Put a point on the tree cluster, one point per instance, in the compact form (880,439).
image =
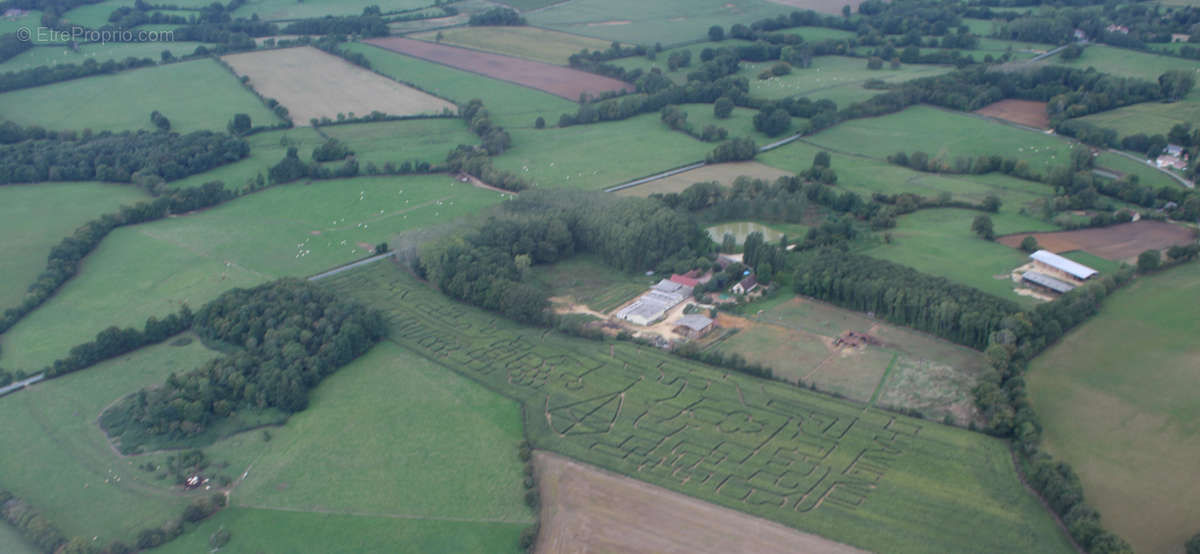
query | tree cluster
(657,97)
(114,341)
(361,25)
(46,74)
(289,334)
(497,16)
(739,149)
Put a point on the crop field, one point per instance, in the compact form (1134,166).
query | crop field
(837,78)
(757,446)
(601,154)
(1151,118)
(512,106)
(399,141)
(585,509)
(945,135)
(940,242)
(36,217)
(585,280)
(1025,112)
(723,173)
(79,479)
(560,81)
(1117,400)
(124,100)
(1126,63)
(314,84)
(273,10)
(1115,242)
(266,149)
(669,22)
(292,230)
(56,55)
(531,43)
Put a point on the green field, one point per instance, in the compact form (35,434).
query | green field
(531,43)
(78,481)
(512,106)
(1147,174)
(837,78)
(857,476)
(945,135)
(940,242)
(55,55)
(1151,118)
(12,542)
(37,217)
(601,154)
(272,10)
(95,15)
(297,230)
(1117,397)
(635,21)
(124,100)
(587,281)
(30,20)
(266,150)
(1103,265)
(1126,63)
(428,140)
(818,34)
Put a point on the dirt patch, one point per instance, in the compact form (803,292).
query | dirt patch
(560,81)
(587,509)
(1025,112)
(1116,242)
(722,173)
(313,84)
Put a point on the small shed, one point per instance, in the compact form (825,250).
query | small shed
(745,285)
(694,326)
(1047,282)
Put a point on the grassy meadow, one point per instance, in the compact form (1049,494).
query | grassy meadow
(1117,399)
(80,480)
(292,230)
(863,477)
(1126,63)
(273,10)
(426,140)
(1151,118)
(531,43)
(669,22)
(601,154)
(586,280)
(837,78)
(12,542)
(58,55)
(123,101)
(95,15)
(511,106)
(1146,173)
(37,217)
(266,150)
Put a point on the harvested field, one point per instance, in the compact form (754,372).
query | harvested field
(1025,112)
(313,84)
(1117,242)
(722,173)
(833,7)
(587,509)
(560,81)
(531,43)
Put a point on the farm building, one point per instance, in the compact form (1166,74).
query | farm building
(693,326)
(685,280)
(1050,260)
(1047,282)
(745,285)
(653,305)
(669,286)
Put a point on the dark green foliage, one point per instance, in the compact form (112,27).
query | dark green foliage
(723,107)
(131,157)
(772,121)
(1029,244)
(529,537)
(363,25)
(292,335)
(240,124)
(875,62)
(539,123)
(1148,261)
(477,163)
(381,248)
(331,150)
(737,150)
(716,33)
(982,226)
(113,342)
(160,121)
(1176,84)
(44,75)
(731,360)
(288,169)
(497,16)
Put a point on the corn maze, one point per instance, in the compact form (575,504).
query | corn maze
(756,446)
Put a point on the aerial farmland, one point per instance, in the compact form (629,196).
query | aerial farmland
(540,276)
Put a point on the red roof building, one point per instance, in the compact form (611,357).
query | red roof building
(685,281)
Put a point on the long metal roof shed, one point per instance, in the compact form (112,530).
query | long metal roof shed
(1074,269)
(1047,281)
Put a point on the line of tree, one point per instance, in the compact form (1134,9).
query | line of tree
(114,341)
(658,95)
(47,74)
(676,119)
(496,16)
(361,25)
(142,157)
(11,46)
(289,334)
(65,258)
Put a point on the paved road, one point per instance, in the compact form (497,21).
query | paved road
(21,384)
(350,266)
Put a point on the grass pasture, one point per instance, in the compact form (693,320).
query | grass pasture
(313,84)
(30,19)
(1126,63)
(838,78)
(1151,118)
(54,423)
(764,448)
(292,230)
(601,154)
(531,43)
(37,217)
(266,149)
(512,106)
(57,55)
(1146,173)
(740,122)
(123,101)
(95,15)
(634,21)
(274,10)
(724,173)
(426,140)
(588,281)
(1117,399)
(12,542)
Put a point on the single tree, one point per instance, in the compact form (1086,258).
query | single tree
(539,123)
(240,124)
(716,33)
(982,226)
(1029,244)
(1149,260)
(991,203)
(723,107)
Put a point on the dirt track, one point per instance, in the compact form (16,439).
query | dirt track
(561,81)
(1025,112)
(586,509)
(1117,242)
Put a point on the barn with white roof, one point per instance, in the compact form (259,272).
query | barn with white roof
(1047,260)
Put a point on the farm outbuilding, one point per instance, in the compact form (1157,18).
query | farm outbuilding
(745,285)
(693,326)
(1045,258)
(653,305)
(1047,282)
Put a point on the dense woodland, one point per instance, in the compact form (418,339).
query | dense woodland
(289,335)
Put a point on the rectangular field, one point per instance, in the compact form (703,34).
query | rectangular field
(1116,242)
(838,78)
(123,101)
(1125,63)
(314,84)
(1025,112)
(1151,118)
(585,280)
(667,21)
(531,43)
(560,81)
(274,10)
(1117,398)
(428,140)
(266,150)
(56,55)
(869,479)
(722,173)
(1147,174)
